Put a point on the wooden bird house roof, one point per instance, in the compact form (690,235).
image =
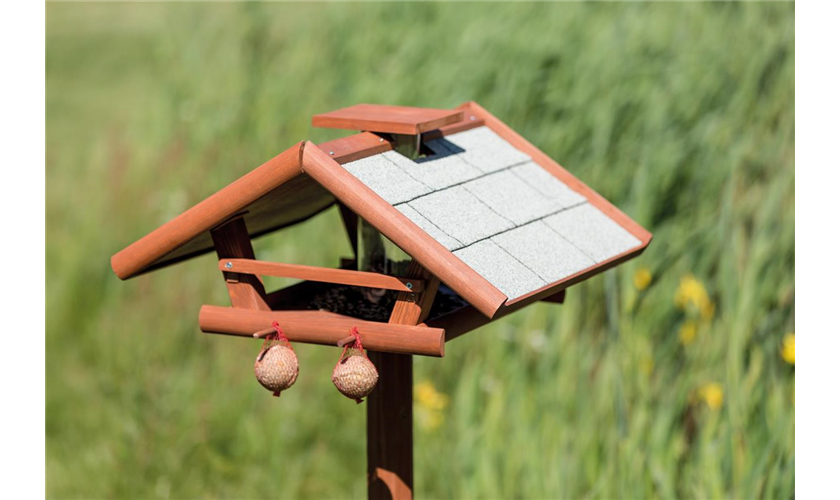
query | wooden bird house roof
(489,214)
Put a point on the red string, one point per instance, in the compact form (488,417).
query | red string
(269,340)
(357,344)
(279,335)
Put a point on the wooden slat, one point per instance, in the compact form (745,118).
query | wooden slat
(355,147)
(232,242)
(311,273)
(388,119)
(325,328)
(410,307)
(404,233)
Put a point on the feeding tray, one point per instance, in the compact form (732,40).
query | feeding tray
(489,223)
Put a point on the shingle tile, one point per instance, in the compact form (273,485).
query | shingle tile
(500,269)
(543,251)
(551,187)
(423,223)
(386,179)
(460,215)
(594,233)
(511,197)
(485,150)
(440,171)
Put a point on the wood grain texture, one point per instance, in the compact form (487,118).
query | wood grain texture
(390,442)
(232,241)
(325,328)
(322,274)
(388,119)
(390,446)
(405,234)
(410,307)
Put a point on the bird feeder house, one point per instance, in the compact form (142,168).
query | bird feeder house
(455,221)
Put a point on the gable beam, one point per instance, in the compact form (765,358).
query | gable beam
(399,229)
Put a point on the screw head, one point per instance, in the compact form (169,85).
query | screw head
(332,153)
(472,118)
(381,140)
(409,286)
(229,265)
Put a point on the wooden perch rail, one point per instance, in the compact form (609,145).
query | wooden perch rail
(320,327)
(322,274)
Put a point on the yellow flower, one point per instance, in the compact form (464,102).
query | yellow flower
(788,349)
(430,405)
(688,331)
(642,278)
(712,393)
(428,397)
(692,293)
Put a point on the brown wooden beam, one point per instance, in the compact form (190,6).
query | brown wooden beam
(388,119)
(325,328)
(390,405)
(232,241)
(355,147)
(403,232)
(323,274)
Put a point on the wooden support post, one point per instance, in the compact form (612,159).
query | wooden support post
(351,221)
(390,445)
(232,241)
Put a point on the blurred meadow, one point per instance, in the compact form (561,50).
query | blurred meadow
(671,376)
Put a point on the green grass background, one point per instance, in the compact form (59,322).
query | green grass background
(681,115)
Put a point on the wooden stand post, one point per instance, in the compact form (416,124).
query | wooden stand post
(390,447)
(389,407)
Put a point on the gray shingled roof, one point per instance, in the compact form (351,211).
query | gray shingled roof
(506,217)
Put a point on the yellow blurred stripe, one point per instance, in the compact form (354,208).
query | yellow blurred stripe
(812,349)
